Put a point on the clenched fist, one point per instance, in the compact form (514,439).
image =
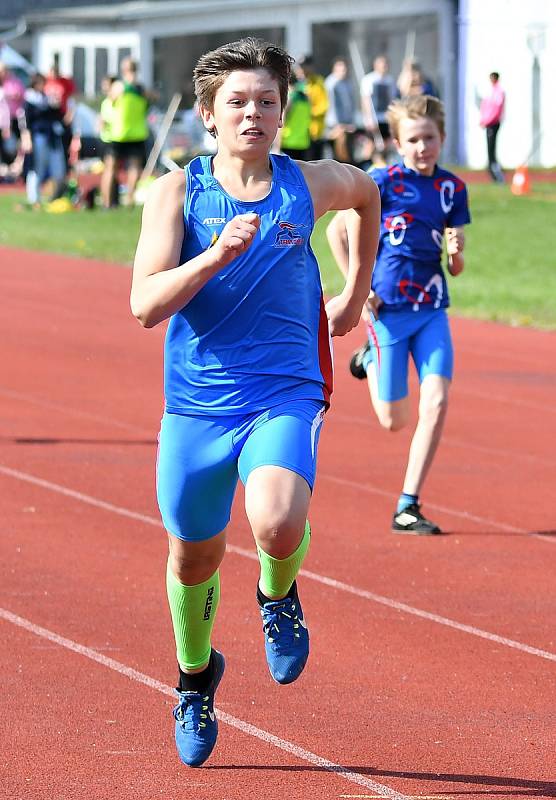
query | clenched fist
(236,237)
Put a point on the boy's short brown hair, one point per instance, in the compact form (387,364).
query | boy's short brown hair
(213,67)
(421,105)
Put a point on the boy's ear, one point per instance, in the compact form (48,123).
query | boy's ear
(281,120)
(208,118)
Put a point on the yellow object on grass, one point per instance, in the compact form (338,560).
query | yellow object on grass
(59,206)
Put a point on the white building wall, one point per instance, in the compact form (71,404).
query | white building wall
(138,25)
(47,43)
(498,36)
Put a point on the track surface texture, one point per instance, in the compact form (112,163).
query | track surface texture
(433,660)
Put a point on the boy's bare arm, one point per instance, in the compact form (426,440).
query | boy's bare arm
(455,242)
(337,239)
(336,186)
(336,235)
(161,286)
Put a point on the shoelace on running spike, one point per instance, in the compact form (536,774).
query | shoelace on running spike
(198,707)
(271,620)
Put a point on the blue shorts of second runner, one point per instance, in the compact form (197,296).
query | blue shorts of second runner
(423,334)
(200,459)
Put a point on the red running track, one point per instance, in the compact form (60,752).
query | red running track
(433,662)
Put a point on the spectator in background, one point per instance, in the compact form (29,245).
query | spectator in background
(314,88)
(412,81)
(129,131)
(491,111)
(42,141)
(378,89)
(295,138)
(106,113)
(14,92)
(59,90)
(340,117)
(5,133)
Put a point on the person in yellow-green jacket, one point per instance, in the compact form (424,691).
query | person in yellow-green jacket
(295,140)
(314,88)
(129,132)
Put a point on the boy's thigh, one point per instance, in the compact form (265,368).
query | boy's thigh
(390,365)
(196,475)
(285,436)
(432,349)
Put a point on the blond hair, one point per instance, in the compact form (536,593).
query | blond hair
(422,105)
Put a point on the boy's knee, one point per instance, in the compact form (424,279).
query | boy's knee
(393,425)
(278,533)
(393,420)
(434,407)
(195,562)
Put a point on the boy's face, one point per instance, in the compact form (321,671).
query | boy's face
(419,142)
(247,112)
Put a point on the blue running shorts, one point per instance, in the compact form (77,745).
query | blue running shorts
(423,334)
(200,459)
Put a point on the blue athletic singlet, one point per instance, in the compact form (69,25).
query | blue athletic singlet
(257,333)
(415,211)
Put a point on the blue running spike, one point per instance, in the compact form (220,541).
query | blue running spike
(196,723)
(286,638)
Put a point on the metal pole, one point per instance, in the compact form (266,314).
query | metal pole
(161,136)
(359,70)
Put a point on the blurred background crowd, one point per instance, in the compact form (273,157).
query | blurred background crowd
(95,98)
(51,137)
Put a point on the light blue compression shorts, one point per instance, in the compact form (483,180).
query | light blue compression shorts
(395,335)
(200,460)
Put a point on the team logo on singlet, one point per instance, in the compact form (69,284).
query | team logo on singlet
(397,225)
(398,189)
(447,188)
(289,235)
(214,221)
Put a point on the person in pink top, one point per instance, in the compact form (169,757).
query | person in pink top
(10,105)
(491,112)
(14,91)
(4,128)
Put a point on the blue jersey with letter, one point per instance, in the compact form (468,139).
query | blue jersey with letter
(256,334)
(415,211)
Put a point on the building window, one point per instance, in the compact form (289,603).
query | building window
(101,66)
(78,73)
(123,52)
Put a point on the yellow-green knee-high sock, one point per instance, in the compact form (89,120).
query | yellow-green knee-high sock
(193,609)
(278,574)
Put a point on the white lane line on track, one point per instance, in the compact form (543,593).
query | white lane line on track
(366,487)
(335,416)
(450,441)
(493,398)
(386,601)
(416,612)
(234,722)
(73,412)
(370,489)
(481,356)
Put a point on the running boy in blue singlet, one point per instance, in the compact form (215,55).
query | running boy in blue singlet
(406,309)
(224,253)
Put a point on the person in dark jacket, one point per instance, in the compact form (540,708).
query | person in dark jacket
(42,140)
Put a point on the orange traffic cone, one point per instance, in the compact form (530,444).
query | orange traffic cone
(521,183)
